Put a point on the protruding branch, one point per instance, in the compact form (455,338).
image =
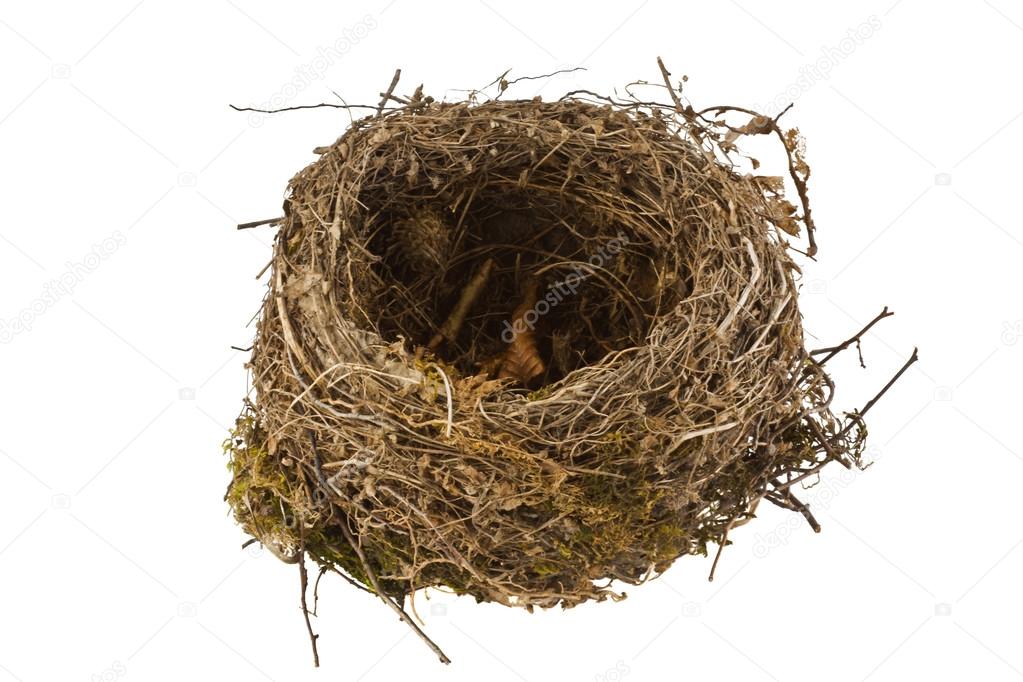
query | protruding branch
(835,350)
(866,408)
(305,608)
(257,223)
(686,112)
(390,91)
(367,569)
(298,107)
(402,615)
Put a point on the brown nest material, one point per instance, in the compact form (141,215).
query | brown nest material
(521,349)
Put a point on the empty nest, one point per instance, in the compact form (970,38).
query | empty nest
(522,349)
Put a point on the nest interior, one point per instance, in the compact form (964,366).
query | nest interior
(521,349)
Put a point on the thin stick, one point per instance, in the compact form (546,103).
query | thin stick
(305,609)
(721,548)
(782,113)
(857,416)
(717,557)
(510,83)
(866,408)
(687,112)
(316,589)
(449,330)
(797,505)
(257,223)
(370,574)
(387,600)
(835,350)
(390,91)
(299,107)
(265,268)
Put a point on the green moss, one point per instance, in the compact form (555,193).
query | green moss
(538,394)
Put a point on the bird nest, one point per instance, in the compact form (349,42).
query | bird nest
(523,349)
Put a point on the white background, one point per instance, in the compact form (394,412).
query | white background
(117,556)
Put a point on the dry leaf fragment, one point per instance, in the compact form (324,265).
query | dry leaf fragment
(758,125)
(522,359)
